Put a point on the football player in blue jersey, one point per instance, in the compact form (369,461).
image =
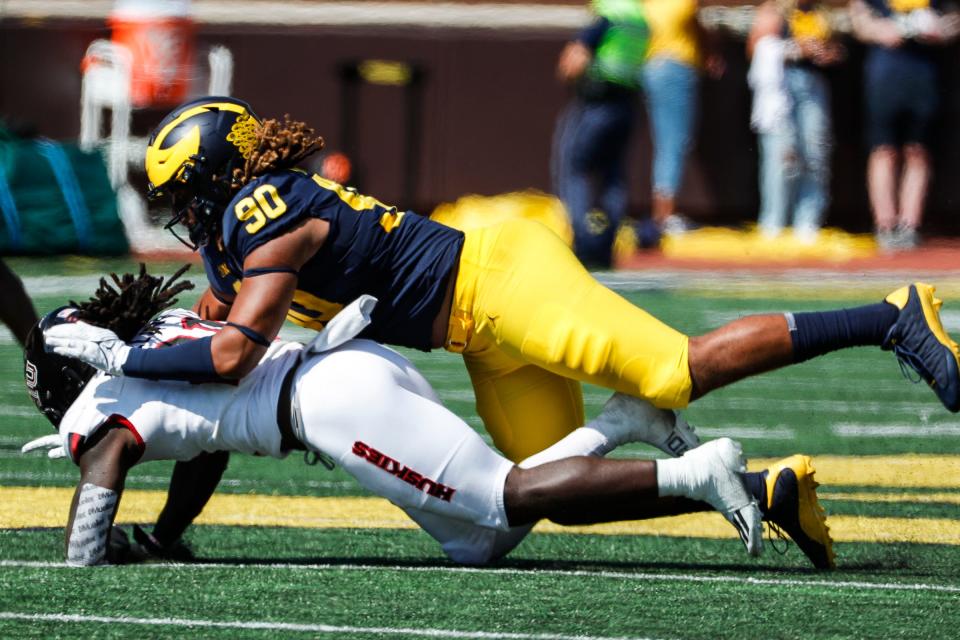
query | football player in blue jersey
(529,320)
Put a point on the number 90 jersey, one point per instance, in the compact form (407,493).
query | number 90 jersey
(403,259)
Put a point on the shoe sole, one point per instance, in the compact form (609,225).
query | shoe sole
(812,516)
(930,305)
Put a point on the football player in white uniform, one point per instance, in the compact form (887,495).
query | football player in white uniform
(368,409)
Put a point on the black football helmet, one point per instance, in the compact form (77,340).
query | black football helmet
(191,156)
(53,381)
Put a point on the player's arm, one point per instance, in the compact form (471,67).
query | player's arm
(254,320)
(104,463)
(269,282)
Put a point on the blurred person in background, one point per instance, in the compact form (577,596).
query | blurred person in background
(791,45)
(16,310)
(671,82)
(593,132)
(902,98)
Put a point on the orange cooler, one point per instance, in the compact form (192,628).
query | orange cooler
(162,50)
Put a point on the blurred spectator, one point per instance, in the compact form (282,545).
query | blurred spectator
(17,311)
(901,90)
(791,44)
(670,81)
(590,143)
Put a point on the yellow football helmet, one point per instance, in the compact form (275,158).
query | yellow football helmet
(191,156)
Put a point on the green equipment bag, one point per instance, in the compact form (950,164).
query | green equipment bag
(55,198)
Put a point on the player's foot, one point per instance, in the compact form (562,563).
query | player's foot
(718,465)
(919,341)
(630,419)
(792,506)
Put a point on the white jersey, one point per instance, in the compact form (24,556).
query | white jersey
(179,420)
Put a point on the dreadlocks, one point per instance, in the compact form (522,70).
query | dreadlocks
(278,146)
(135,300)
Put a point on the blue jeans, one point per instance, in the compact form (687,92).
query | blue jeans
(795,161)
(589,172)
(671,90)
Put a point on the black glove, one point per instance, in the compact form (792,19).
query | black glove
(151,549)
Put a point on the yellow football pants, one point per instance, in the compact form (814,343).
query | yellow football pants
(532,324)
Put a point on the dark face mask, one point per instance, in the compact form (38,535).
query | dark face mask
(199,215)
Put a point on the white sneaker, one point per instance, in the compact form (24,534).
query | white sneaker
(718,465)
(630,419)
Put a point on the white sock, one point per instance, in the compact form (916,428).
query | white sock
(676,477)
(585,441)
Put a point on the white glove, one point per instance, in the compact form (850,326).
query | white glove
(100,348)
(54,444)
(349,322)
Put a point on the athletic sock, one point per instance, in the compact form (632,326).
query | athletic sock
(816,333)
(757,487)
(676,477)
(585,441)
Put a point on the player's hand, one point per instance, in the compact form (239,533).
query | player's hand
(100,348)
(149,549)
(53,444)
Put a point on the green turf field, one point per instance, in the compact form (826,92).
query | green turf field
(315,573)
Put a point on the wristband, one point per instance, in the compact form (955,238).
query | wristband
(189,361)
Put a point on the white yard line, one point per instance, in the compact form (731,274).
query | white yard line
(163,481)
(294,627)
(748,433)
(847,430)
(539,573)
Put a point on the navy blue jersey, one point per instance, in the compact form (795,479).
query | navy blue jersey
(401,258)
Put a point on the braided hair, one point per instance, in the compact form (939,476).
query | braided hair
(278,146)
(127,307)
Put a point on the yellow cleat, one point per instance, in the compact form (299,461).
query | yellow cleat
(792,507)
(919,341)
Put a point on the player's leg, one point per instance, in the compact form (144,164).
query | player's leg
(587,490)
(17,310)
(906,322)
(368,409)
(524,408)
(528,410)
(528,296)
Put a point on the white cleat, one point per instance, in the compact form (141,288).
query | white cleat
(630,419)
(718,465)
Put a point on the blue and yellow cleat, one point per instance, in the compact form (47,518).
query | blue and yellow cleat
(791,507)
(919,341)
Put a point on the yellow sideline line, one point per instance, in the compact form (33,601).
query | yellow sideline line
(47,507)
(922,498)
